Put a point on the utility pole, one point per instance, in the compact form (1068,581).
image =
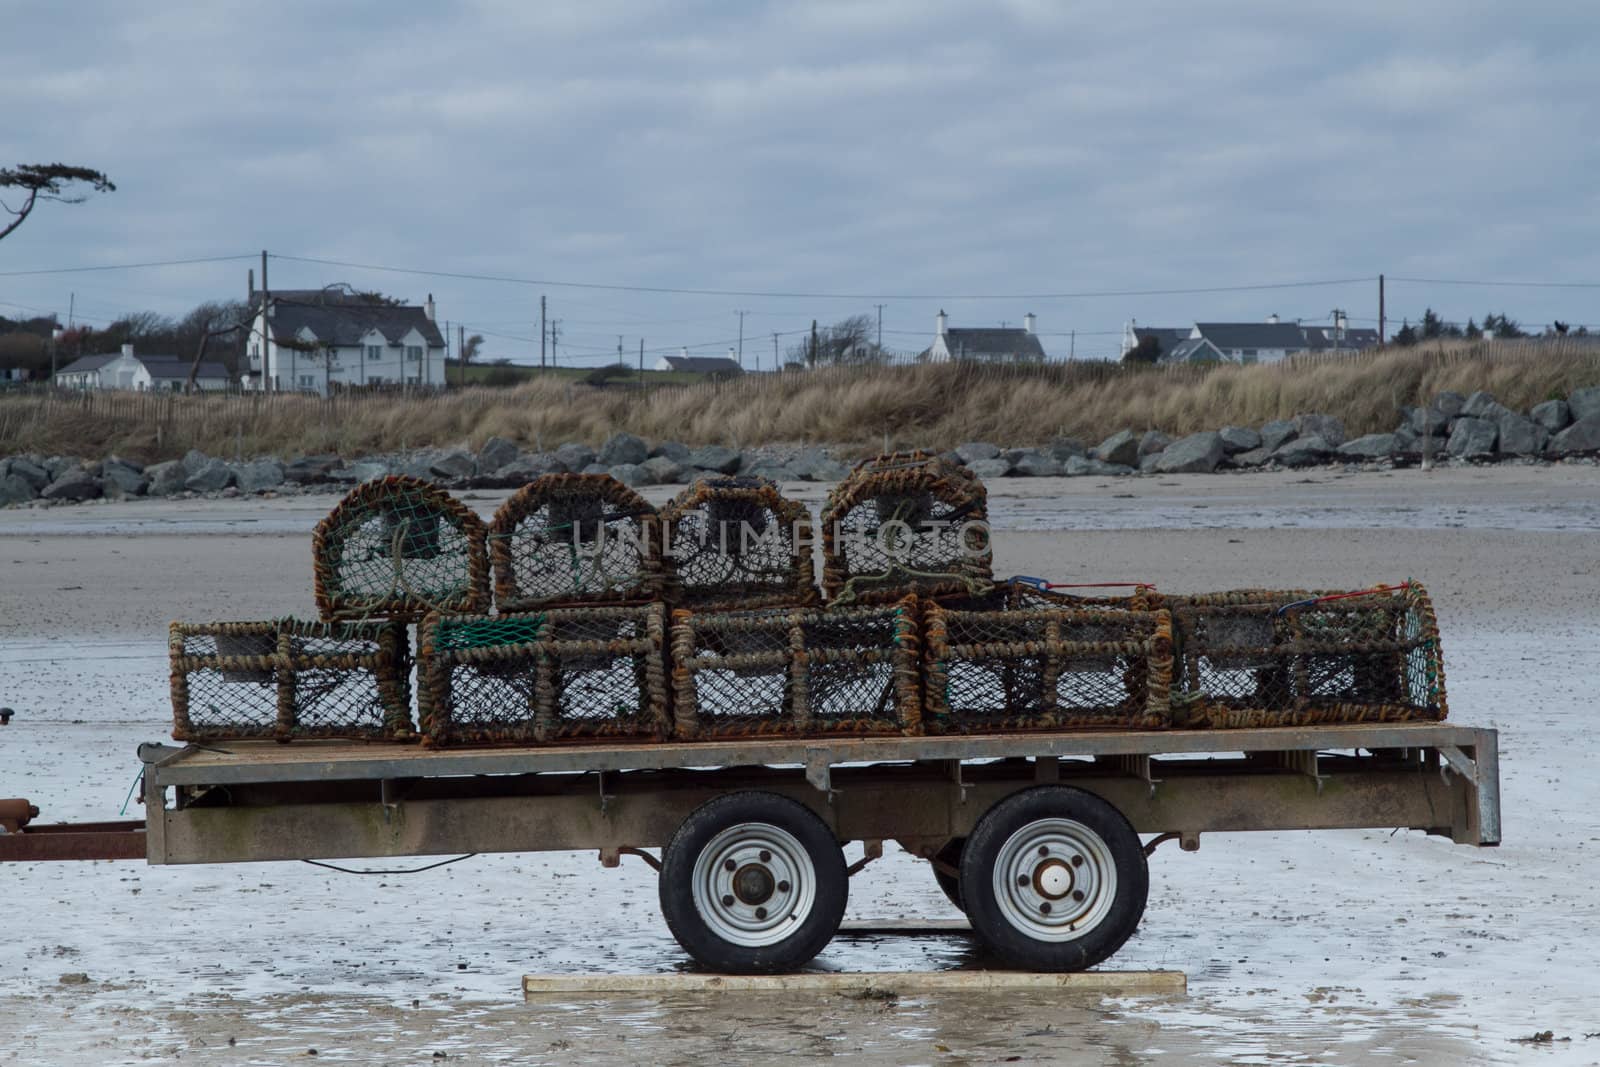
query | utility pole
(541,332)
(741,315)
(641,363)
(1072,351)
(461,348)
(776,366)
(619,348)
(266,327)
(880,329)
(813,342)
(1381,338)
(555,331)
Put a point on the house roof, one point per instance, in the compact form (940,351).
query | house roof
(704,364)
(1320,338)
(174,371)
(980,343)
(1226,335)
(87,363)
(1166,336)
(1191,350)
(337,319)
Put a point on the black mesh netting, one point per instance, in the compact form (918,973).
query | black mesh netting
(399,547)
(737,543)
(574,538)
(289,679)
(904,523)
(776,672)
(544,676)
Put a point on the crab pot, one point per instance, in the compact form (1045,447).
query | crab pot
(805,672)
(737,543)
(418,535)
(233,646)
(582,518)
(545,677)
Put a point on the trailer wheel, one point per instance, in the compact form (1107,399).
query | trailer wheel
(1054,879)
(951,883)
(753,883)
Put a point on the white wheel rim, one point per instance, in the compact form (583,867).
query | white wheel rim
(754,884)
(1055,880)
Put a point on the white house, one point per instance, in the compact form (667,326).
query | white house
(135,373)
(984,345)
(318,340)
(715,366)
(1247,342)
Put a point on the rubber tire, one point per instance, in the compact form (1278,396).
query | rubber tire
(951,884)
(677,874)
(1011,815)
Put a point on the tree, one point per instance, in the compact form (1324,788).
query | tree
(1473,331)
(846,342)
(1406,336)
(47,181)
(1148,350)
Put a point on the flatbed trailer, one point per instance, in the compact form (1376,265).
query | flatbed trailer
(1034,835)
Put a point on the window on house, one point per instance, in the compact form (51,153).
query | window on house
(411,379)
(374,352)
(308,381)
(414,353)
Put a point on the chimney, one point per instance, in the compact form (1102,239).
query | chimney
(939,322)
(427,308)
(684,352)
(1344,324)
(1027,323)
(1273,319)
(251,299)
(127,350)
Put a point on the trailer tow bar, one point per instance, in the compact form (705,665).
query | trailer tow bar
(1189,842)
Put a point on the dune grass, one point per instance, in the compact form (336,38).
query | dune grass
(856,409)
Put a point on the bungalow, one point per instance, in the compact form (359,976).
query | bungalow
(313,340)
(151,373)
(984,345)
(712,366)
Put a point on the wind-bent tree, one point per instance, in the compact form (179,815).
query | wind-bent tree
(47,181)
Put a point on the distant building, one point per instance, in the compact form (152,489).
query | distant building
(984,345)
(715,366)
(318,340)
(142,374)
(1247,342)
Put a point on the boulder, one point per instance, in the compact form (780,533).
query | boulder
(1371,446)
(1239,439)
(75,484)
(673,450)
(772,471)
(1326,427)
(1078,466)
(595,468)
(525,468)
(56,466)
(259,475)
(1255,457)
(630,474)
(664,470)
(715,458)
(1429,422)
(1302,451)
(453,465)
(361,471)
(1121,449)
(973,451)
(1277,433)
(1152,442)
(815,465)
(30,472)
(1406,443)
(1472,437)
(1479,405)
(132,465)
(1553,415)
(194,460)
(213,477)
(1448,404)
(1062,448)
(309,469)
(1147,464)
(574,457)
(126,480)
(1036,465)
(1521,436)
(990,468)
(1582,436)
(166,478)
(15,489)
(1582,403)
(623,449)
(496,453)
(1199,453)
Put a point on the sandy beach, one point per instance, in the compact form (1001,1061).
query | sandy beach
(1335,947)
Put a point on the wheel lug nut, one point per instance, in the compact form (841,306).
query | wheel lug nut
(783,887)
(1077,861)
(1043,851)
(727,900)
(766,857)
(1022,879)
(1044,909)
(730,865)
(1077,894)
(761,913)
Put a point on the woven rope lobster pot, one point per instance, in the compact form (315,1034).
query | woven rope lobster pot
(1024,660)
(796,672)
(737,543)
(398,548)
(280,680)
(1260,657)
(567,539)
(544,677)
(905,522)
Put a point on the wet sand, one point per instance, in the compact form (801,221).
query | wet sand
(1345,947)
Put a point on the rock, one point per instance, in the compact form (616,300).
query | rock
(355,473)
(76,484)
(623,450)
(30,472)
(1199,453)
(595,468)
(166,478)
(1147,464)
(128,482)
(1407,443)
(1326,427)
(1371,446)
(815,465)
(1302,451)
(1153,441)
(715,458)
(1063,448)
(136,467)
(973,451)
(1239,439)
(775,472)
(1448,405)
(574,457)
(1078,466)
(678,453)
(1482,405)
(1521,436)
(630,474)
(56,466)
(1277,433)
(524,469)
(453,465)
(309,469)
(1582,436)
(1472,437)
(1582,403)
(195,460)
(1429,422)
(1553,415)
(213,477)
(1036,465)
(496,453)
(1121,448)
(664,470)
(990,468)
(15,489)
(1255,457)
(260,475)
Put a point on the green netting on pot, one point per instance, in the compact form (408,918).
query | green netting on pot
(568,539)
(399,547)
(543,677)
(285,679)
(1036,665)
(802,672)
(905,522)
(737,542)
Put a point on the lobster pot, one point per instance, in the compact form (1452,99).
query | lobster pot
(1046,667)
(737,543)
(1264,658)
(398,548)
(234,681)
(543,677)
(566,539)
(796,672)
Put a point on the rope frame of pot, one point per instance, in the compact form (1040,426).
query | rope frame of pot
(714,562)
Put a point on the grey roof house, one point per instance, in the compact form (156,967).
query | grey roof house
(314,340)
(984,344)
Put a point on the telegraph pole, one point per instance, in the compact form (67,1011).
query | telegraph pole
(541,333)
(641,363)
(880,329)
(741,315)
(775,364)
(266,327)
(1072,351)
(555,331)
(461,348)
(1381,338)
(619,348)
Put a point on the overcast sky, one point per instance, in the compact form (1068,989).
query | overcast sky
(913,154)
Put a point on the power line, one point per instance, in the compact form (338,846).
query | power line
(122,266)
(1498,284)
